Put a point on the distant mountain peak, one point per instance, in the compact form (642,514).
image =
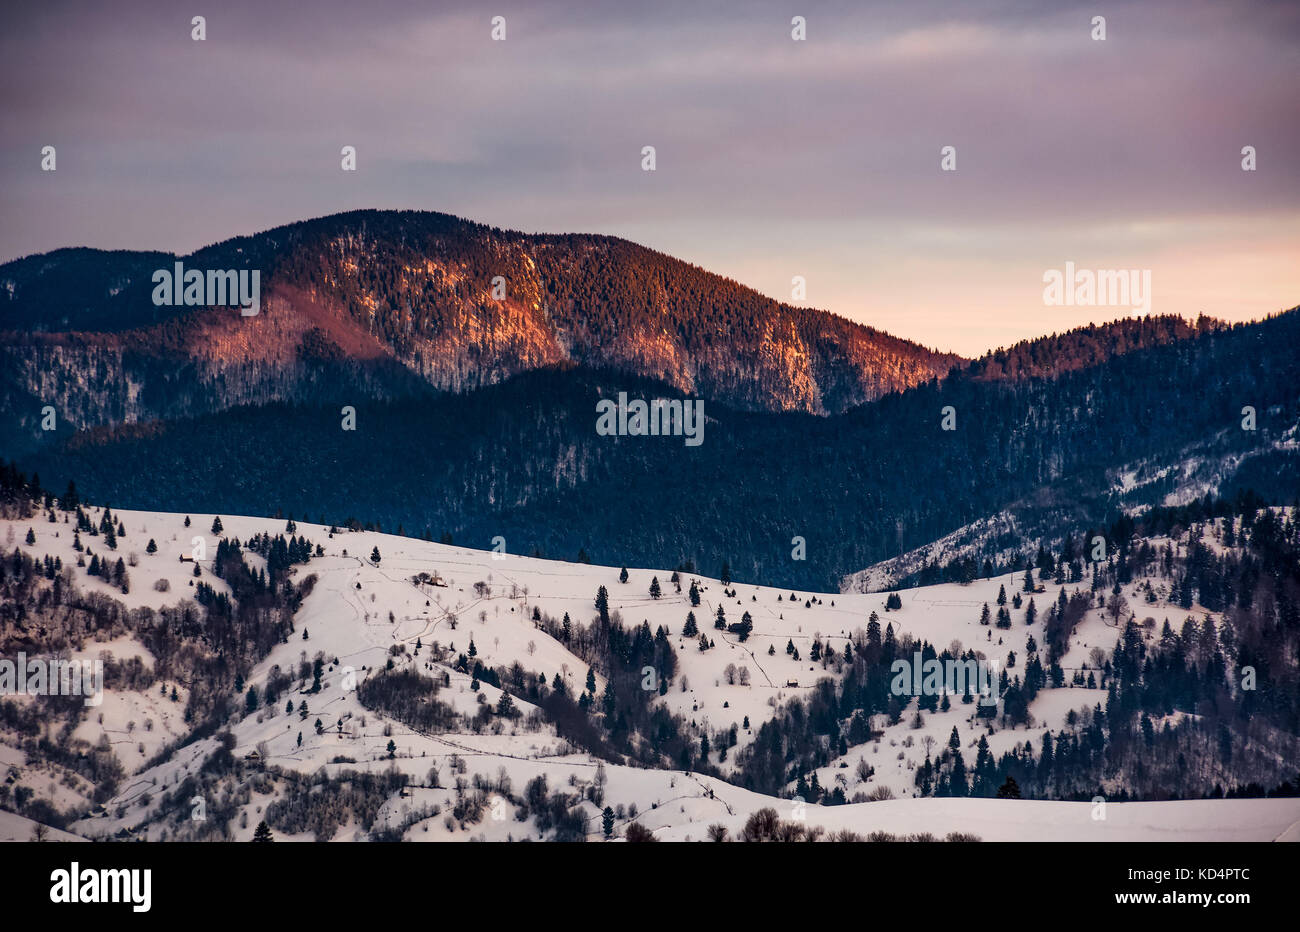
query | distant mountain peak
(404,301)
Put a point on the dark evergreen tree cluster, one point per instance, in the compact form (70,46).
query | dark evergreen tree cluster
(1232,686)
(1049,468)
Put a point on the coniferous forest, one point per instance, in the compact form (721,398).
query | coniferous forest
(522,460)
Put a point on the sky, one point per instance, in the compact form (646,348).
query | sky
(775,158)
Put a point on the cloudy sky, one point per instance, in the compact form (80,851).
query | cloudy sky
(775,158)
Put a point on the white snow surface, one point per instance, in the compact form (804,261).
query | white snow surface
(347,616)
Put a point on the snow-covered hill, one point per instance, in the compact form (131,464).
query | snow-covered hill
(1203,468)
(362,614)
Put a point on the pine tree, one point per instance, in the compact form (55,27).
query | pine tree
(622,575)
(262,835)
(957,779)
(983,767)
(216,525)
(591,681)
(374,555)
(694,594)
(31,537)
(607,821)
(151,547)
(655,591)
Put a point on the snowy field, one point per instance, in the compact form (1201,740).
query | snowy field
(359,610)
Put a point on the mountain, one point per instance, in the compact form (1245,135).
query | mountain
(378,305)
(522,461)
(1049,356)
(826,450)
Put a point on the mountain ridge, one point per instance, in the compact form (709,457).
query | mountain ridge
(522,460)
(420,289)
